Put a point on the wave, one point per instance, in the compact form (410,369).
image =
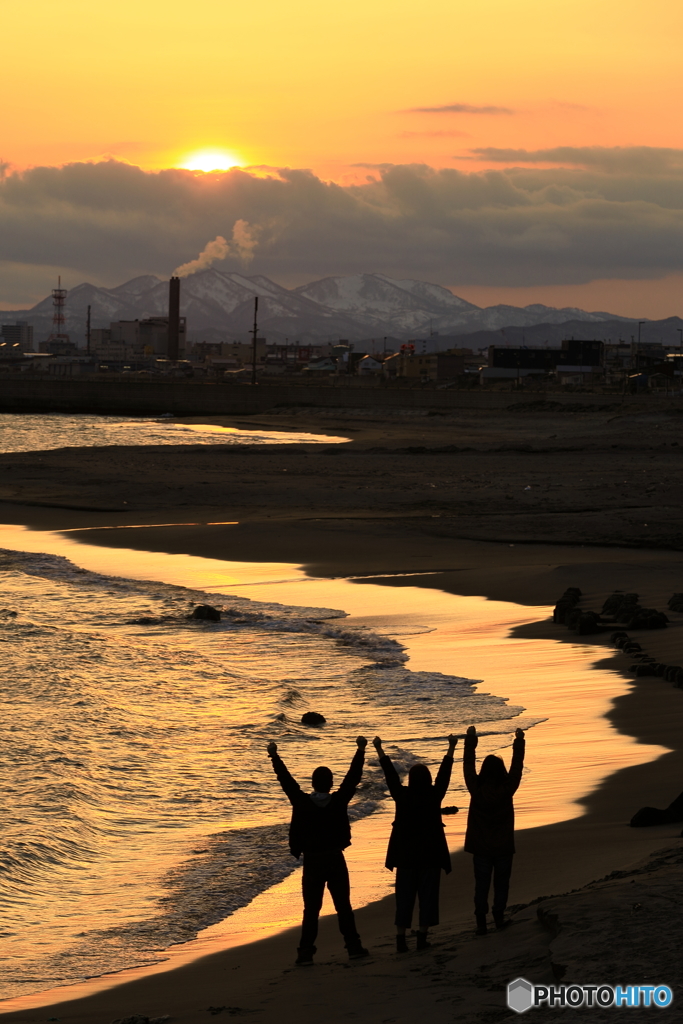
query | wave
(134,753)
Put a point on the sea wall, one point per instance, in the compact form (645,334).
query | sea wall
(195,398)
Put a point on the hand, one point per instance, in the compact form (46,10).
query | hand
(377,744)
(272,748)
(452,742)
(519,734)
(472,735)
(362,742)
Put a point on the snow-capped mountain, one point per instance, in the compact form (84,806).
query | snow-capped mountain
(353,307)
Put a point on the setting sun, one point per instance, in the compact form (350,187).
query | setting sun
(211,160)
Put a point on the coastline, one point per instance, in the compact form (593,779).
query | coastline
(573,498)
(553,858)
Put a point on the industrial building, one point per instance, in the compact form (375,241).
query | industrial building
(545,360)
(137,340)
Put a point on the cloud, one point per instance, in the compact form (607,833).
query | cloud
(615,159)
(373,167)
(459,108)
(619,216)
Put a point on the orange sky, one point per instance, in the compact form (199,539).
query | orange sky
(344,88)
(324,86)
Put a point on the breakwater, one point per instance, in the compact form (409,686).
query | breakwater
(194,398)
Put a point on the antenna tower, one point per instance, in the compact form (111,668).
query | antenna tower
(58,319)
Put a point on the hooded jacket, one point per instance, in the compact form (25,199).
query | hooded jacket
(417,833)
(320,825)
(491,818)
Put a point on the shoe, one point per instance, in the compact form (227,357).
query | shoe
(305,957)
(356,951)
(422,941)
(481,924)
(500,921)
(401,944)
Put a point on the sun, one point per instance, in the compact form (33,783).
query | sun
(211,160)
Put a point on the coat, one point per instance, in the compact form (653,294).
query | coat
(318,828)
(491,818)
(417,833)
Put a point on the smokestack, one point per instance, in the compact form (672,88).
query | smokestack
(173,317)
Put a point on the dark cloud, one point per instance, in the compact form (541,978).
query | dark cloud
(615,159)
(510,226)
(459,108)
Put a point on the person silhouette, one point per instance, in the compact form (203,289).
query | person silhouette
(490,836)
(320,831)
(417,846)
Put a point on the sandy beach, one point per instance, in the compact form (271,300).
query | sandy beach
(514,508)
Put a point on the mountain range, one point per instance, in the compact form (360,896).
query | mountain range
(220,305)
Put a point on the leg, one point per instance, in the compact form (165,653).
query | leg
(406,892)
(313,888)
(429,881)
(502,869)
(483,869)
(340,891)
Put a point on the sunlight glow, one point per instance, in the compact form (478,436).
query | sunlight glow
(211,160)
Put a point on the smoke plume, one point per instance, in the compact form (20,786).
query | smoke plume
(242,246)
(244,240)
(216,250)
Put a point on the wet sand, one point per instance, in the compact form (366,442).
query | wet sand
(460,976)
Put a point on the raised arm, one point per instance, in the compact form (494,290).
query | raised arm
(443,776)
(290,785)
(517,763)
(390,773)
(355,772)
(469,766)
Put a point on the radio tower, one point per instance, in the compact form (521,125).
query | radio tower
(58,320)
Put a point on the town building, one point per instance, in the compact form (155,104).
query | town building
(573,352)
(407,362)
(17,336)
(58,346)
(235,353)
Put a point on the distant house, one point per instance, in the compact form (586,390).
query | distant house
(368,364)
(326,365)
(579,374)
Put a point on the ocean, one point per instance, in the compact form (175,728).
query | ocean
(34,432)
(139,804)
(140,807)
